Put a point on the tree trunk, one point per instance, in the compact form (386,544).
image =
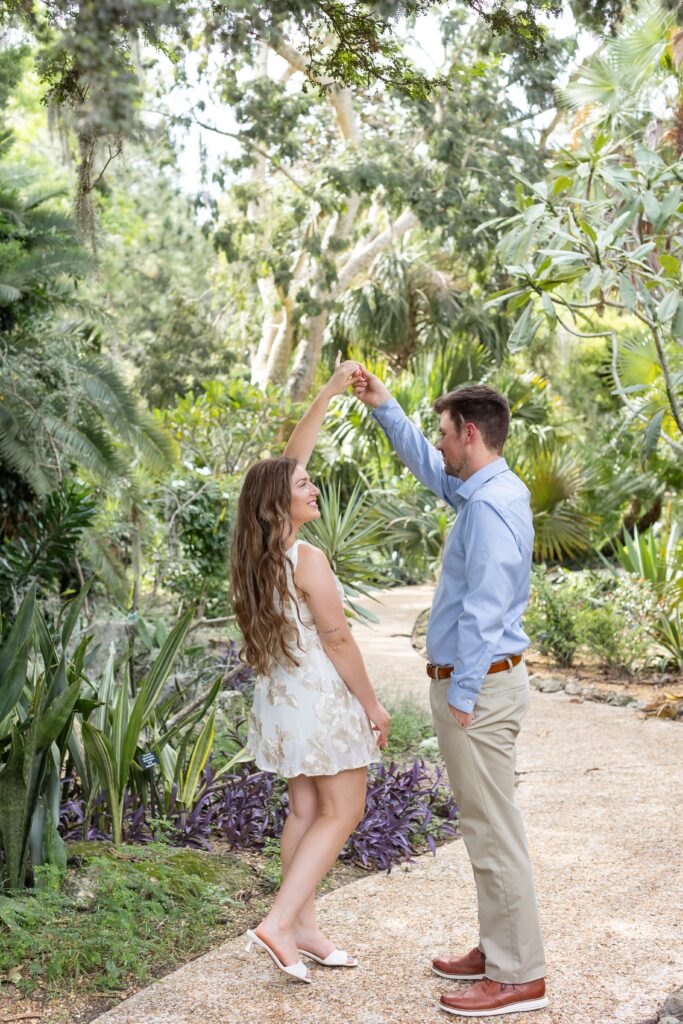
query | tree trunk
(307,357)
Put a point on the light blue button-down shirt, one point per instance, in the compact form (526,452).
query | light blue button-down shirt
(484,584)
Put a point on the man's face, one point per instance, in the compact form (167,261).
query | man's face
(453,445)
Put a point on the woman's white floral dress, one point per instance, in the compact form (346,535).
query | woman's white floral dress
(305,720)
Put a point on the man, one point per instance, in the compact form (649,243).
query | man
(480,688)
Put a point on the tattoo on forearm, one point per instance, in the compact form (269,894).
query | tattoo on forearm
(334,630)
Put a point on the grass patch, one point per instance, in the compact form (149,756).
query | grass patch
(411,723)
(122,916)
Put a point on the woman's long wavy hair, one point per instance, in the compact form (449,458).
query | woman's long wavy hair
(258,565)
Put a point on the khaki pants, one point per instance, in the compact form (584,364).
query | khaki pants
(481,762)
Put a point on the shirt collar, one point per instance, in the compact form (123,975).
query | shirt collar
(482,476)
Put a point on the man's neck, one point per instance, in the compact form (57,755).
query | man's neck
(479,463)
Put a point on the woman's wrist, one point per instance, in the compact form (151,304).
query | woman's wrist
(371,706)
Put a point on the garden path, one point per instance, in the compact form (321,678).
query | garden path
(599,787)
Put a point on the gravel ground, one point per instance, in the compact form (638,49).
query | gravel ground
(599,788)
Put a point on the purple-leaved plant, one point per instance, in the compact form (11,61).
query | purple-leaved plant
(407,807)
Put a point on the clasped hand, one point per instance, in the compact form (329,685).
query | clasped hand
(366,386)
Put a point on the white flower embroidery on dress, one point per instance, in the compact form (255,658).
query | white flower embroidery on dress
(305,720)
(277,692)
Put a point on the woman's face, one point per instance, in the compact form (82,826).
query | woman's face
(304,506)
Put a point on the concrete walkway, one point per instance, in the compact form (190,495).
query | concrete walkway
(600,789)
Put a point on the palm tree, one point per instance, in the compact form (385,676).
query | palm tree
(64,410)
(638,72)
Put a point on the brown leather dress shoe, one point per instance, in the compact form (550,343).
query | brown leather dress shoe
(469,967)
(490,998)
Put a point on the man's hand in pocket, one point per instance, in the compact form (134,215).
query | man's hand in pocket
(462,717)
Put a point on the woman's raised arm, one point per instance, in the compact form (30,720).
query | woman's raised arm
(305,434)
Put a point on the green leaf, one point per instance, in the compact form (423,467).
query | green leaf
(670,203)
(652,434)
(198,759)
(671,266)
(561,184)
(588,230)
(131,738)
(524,330)
(119,728)
(13,682)
(56,716)
(163,663)
(548,306)
(643,250)
(652,208)
(241,757)
(74,607)
(667,307)
(677,325)
(11,648)
(591,281)
(100,751)
(627,292)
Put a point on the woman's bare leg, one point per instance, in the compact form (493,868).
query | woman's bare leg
(303,812)
(341,802)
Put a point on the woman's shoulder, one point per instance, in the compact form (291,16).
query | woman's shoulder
(310,563)
(310,554)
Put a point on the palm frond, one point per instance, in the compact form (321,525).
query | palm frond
(557,483)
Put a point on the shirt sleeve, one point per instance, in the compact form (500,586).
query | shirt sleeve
(413,449)
(492,566)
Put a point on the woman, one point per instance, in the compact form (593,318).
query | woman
(315,711)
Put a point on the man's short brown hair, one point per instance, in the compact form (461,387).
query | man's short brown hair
(481,405)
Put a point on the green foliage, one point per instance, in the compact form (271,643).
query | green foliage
(611,617)
(86,62)
(653,556)
(617,623)
(202,526)
(550,618)
(121,916)
(657,556)
(45,547)
(112,748)
(410,724)
(41,694)
(350,533)
(592,246)
(557,484)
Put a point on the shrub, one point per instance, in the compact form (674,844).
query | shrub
(552,620)
(616,624)
(612,617)
(406,808)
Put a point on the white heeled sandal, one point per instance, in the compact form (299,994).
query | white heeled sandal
(337,958)
(297,971)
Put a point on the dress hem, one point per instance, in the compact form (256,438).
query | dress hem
(314,775)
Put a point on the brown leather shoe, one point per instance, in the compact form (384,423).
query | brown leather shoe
(469,967)
(490,998)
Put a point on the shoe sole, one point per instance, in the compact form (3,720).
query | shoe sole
(524,1007)
(458,977)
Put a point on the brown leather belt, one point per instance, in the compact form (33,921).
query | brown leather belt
(444,671)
